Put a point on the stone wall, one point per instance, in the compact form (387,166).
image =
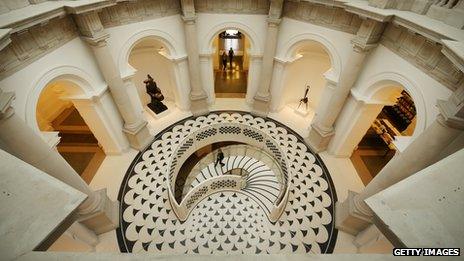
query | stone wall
(232,6)
(332,17)
(423,54)
(29,45)
(137,11)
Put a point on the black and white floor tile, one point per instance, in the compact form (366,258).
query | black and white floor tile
(227,222)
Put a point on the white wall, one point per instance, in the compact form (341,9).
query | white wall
(310,70)
(383,64)
(290,76)
(75,62)
(148,61)
(210,25)
(73,55)
(169,30)
(336,43)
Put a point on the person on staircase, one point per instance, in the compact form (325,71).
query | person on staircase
(219,158)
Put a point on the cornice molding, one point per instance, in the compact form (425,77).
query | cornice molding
(27,22)
(90,7)
(363,13)
(4,38)
(454,51)
(6,98)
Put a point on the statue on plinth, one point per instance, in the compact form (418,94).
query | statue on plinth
(155,95)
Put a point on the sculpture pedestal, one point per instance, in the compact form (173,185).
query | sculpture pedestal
(157,115)
(157,107)
(301,110)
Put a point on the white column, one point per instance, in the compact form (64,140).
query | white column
(97,212)
(96,115)
(92,31)
(322,130)
(181,75)
(355,119)
(207,73)
(262,98)
(198,97)
(277,84)
(256,60)
(134,94)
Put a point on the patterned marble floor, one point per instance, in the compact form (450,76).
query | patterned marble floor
(226,222)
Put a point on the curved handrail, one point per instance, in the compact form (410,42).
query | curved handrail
(238,150)
(228,132)
(204,189)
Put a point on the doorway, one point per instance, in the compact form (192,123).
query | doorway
(231,64)
(63,126)
(388,134)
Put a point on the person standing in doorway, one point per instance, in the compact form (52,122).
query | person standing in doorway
(224,61)
(219,158)
(231,56)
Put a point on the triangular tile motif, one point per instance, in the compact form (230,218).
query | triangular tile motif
(228,222)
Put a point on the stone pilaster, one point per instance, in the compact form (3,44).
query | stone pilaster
(198,97)
(92,31)
(97,212)
(261,103)
(322,130)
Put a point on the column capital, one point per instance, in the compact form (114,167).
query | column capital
(273,22)
(360,46)
(452,110)
(6,110)
(368,35)
(89,24)
(189,19)
(99,41)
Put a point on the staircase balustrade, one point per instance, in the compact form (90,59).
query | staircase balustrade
(263,148)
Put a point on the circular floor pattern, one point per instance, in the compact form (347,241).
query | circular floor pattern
(226,222)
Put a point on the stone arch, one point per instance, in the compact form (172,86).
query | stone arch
(79,81)
(379,82)
(255,44)
(287,52)
(167,40)
(100,112)
(207,50)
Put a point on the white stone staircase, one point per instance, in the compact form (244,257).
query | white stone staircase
(263,185)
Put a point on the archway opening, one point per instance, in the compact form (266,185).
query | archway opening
(63,127)
(304,82)
(150,56)
(231,64)
(390,127)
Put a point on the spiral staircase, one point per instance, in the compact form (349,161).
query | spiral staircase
(262,184)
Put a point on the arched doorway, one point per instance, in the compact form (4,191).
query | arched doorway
(149,56)
(373,130)
(304,75)
(306,70)
(231,64)
(64,128)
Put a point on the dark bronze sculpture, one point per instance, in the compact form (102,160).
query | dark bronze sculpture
(305,98)
(155,95)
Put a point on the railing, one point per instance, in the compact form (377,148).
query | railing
(226,132)
(204,189)
(238,150)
